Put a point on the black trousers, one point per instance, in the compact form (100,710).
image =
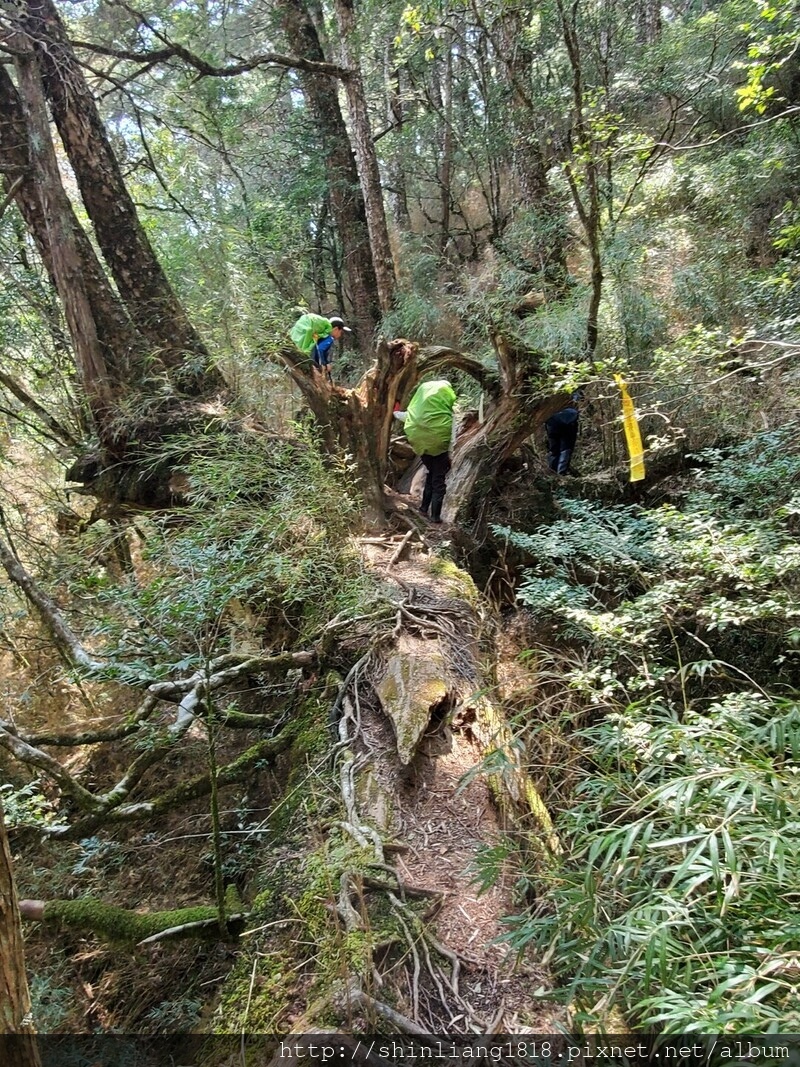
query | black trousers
(560,444)
(435,488)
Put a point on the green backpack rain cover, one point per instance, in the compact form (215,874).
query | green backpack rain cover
(304,330)
(429,422)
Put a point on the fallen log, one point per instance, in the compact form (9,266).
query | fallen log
(124,926)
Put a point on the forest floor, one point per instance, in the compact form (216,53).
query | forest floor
(446,817)
(440,816)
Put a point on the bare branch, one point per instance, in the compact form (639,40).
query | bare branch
(690,146)
(61,433)
(55,622)
(51,767)
(209,70)
(435,356)
(200,786)
(12,192)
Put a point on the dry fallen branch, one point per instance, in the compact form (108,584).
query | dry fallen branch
(60,631)
(400,549)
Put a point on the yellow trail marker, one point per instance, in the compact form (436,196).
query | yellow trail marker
(632,435)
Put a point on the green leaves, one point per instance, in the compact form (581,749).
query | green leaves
(676,895)
(262,547)
(681,889)
(768,53)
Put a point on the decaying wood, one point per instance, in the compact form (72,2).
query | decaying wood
(121,925)
(400,548)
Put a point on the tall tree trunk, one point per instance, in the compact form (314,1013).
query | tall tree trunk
(446,161)
(346,199)
(15,1002)
(366,156)
(585,152)
(65,260)
(395,114)
(648,21)
(529,161)
(494,125)
(123,351)
(142,284)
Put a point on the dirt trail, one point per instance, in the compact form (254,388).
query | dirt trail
(441,821)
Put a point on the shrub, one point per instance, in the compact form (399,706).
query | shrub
(674,896)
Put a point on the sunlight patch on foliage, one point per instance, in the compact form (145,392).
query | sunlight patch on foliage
(675,898)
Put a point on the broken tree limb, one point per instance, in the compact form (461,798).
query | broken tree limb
(59,432)
(123,926)
(196,787)
(400,549)
(60,631)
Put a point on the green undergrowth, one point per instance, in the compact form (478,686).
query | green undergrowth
(299,949)
(262,547)
(302,951)
(306,795)
(677,632)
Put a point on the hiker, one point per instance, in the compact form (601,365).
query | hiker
(562,433)
(315,335)
(428,424)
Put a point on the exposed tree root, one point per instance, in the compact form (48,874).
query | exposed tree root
(430,988)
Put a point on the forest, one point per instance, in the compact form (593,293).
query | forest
(279,755)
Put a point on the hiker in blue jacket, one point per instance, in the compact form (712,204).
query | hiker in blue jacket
(322,352)
(562,433)
(315,336)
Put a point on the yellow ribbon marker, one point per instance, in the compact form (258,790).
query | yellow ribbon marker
(632,435)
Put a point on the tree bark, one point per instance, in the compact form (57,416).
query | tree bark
(366,156)
(517,412)
(147,294)
(648,21)
(65,260)
(395,114)
(15,1002)
(446,162)
(346,199)
(122,349)
(359,421)
(585,150)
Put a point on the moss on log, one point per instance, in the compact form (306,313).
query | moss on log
(126,927)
